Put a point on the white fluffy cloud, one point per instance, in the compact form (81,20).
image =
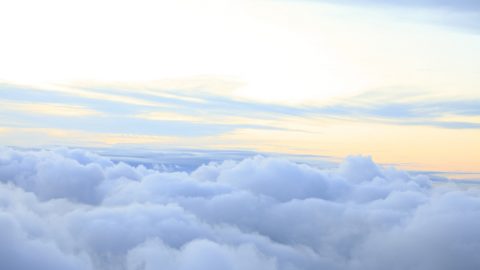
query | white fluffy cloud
(72,209)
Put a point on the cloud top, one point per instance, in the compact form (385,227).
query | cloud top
(73,209)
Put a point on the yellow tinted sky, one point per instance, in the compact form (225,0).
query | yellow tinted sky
(398,82)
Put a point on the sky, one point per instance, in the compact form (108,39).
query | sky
(240,134)
(395,80)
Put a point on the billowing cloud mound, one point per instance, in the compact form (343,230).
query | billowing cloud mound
(72,209)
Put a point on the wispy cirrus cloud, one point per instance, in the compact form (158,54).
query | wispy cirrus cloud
(460,14)
(365,123)
(460,5)
(164,114)
(48,109)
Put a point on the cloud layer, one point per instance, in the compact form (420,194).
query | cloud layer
(73,209)
(468,5)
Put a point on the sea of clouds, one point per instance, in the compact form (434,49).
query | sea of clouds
(73,209)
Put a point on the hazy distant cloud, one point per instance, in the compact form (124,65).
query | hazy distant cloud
(461,5)
(463,14)
(71,209)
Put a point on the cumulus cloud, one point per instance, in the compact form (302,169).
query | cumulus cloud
(73,209)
